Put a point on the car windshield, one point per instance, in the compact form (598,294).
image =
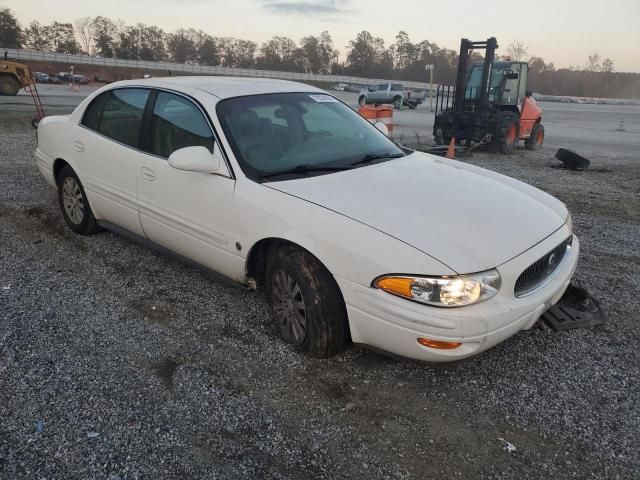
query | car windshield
(294,134)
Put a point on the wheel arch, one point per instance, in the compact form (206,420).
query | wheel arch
(58,165)
(265,248)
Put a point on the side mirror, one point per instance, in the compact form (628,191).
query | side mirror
(382,127)
(198,159)
(512,76)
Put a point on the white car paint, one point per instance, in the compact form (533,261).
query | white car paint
(419,214)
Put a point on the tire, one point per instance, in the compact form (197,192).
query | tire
(507,133)
(572,160)
(9,85)
(307,306)
(397,103)
(536,139)
(74,204)
(362,100)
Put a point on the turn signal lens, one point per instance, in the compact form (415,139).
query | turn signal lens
(427,342)
(397,285)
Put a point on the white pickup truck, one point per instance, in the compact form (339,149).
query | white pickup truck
(390,93)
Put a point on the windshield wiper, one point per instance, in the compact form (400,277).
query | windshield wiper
(370,157)
(305,168)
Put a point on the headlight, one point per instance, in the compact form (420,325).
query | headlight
(456,291)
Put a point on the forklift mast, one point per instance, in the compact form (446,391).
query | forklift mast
(466,48)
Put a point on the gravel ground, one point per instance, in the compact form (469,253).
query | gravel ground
(119,363)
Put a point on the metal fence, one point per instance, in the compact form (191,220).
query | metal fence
(35,55)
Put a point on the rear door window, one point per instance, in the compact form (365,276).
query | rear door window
(122,114)
(177,123)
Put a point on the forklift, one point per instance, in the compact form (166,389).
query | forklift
(489,104)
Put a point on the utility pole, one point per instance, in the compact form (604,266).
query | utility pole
(430,68)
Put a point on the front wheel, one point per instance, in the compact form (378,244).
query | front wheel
(362,100)
(9,85)
(74,204)
(397,103)
(507,133)
(535,141)
(307,305)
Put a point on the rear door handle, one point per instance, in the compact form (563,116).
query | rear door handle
(148,174)
(78,146)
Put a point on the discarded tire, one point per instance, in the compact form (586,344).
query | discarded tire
(572,160)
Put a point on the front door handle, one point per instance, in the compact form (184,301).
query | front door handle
(78,146)
(148,174)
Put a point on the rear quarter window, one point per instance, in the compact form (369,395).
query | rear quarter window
(94,110)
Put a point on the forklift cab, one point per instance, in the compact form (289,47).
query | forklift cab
(513,74)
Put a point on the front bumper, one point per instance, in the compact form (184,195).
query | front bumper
(394,324)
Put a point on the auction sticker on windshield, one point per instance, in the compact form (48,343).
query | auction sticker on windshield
(323,98)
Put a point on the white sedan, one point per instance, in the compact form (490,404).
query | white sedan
(281,185)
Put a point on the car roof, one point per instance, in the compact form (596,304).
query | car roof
(223,87)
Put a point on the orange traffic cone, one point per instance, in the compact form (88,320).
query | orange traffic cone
(451,151)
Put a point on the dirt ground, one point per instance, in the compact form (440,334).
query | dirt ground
(118,363)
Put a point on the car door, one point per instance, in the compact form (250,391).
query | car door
(190,213)
(106,149)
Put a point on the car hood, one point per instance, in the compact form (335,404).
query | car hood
(468,218)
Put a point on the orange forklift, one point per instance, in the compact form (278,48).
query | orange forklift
(489,104)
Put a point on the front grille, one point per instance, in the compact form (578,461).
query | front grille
(540,270)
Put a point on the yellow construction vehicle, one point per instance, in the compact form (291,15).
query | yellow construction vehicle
(15,76)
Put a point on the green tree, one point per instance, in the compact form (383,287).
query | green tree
(10,31)
(208,52)
(404,51)
(62,38)
(104,32)
(362,54)
(36,37)
(181,47)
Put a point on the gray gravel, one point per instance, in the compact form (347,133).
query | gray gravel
(119,363)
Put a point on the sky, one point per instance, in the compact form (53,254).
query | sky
(564,32)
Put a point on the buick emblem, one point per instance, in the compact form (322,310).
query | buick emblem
(551,263)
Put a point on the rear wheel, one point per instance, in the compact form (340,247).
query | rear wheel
(9,85)
(535,141)
(74,204)
(307,305)
(397,103)
(507,133)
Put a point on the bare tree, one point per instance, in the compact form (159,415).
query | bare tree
(84,31)
(607,65)
(517,50)
(593,64)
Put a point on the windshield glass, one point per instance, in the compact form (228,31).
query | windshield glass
(299,131)
(498,71)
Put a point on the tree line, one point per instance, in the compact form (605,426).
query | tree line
(367,55)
